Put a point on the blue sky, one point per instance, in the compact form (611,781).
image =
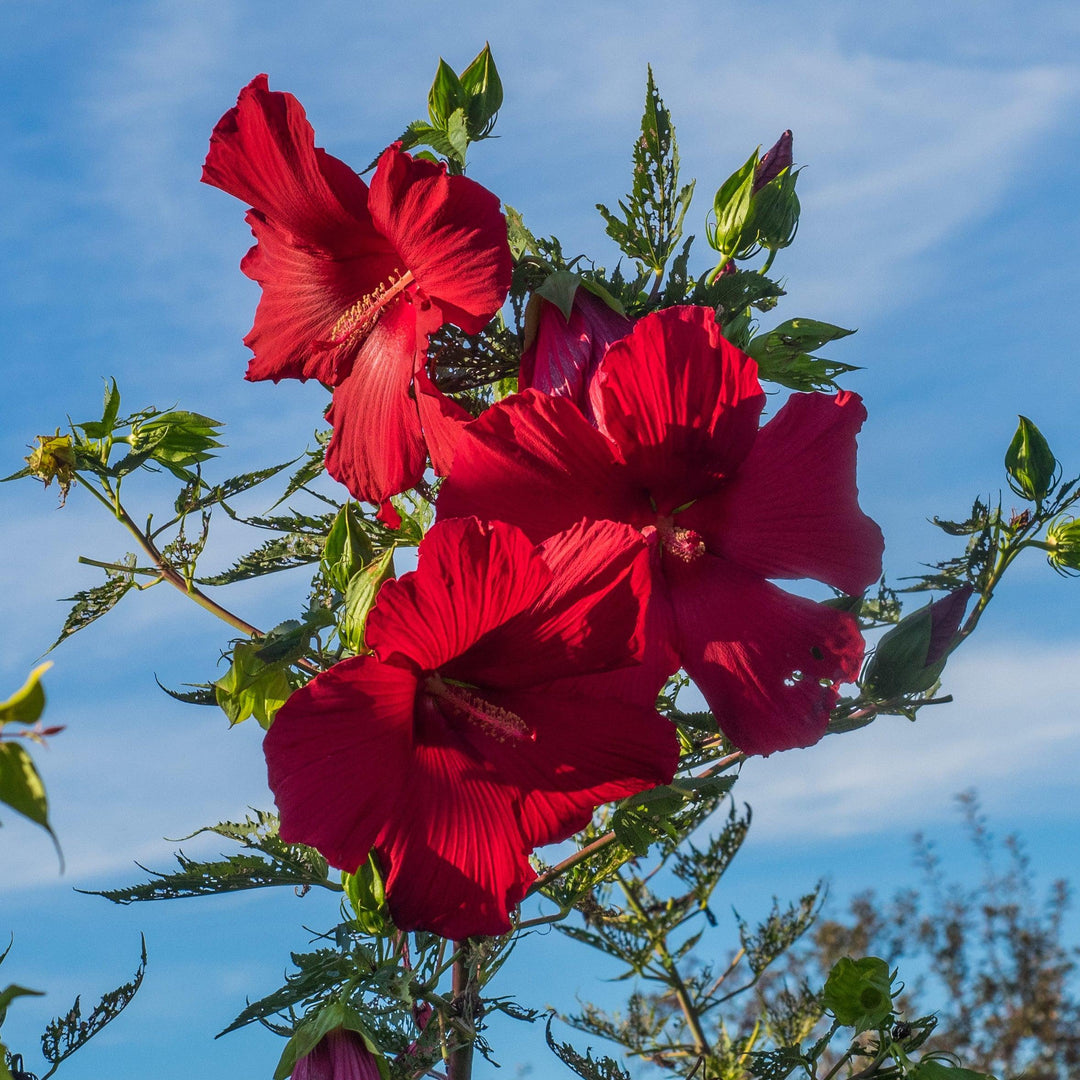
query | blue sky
(939,217)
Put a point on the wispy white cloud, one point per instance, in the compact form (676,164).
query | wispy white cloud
(1013,732)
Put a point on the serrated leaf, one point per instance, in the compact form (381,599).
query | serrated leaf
(66,1034)
(585,1065)
(733,293)
(227,488)
(111,408)
(653,213)
(91,604)
(10,993)
(200,694)
(281,553)
(521,241)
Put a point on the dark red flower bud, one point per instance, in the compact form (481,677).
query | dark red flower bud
(339,1055)
(775,161)
(945,617)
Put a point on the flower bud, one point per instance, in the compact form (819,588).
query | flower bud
(1031,465)
(911,656)
(774,162)
(339,1055)
(859,992)
(1063,542)
(54,458)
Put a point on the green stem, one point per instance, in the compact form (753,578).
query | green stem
(460,1060)
(674,979)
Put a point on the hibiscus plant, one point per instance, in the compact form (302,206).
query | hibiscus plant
(593,639)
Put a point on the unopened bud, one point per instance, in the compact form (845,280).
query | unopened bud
(1031,465)
(774,162)
(54,459)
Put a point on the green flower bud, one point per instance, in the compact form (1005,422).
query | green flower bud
(1032,467)
(930,1069)
(1063,541)
(54,459)
(859,992)
(911,656)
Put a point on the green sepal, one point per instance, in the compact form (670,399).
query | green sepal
(347,547)
(1030,463)
(483,91)
(360,597)
(731,209)
(446,94)
(366,893)
(929,1069)
(859,992)
(335,1014)
(783,354)
(774,212)
(898,664)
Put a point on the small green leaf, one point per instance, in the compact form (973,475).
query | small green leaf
(10,993)
(1031,465)
(251,687)
(111,408)
(367,895)
(28,702)
(457,134)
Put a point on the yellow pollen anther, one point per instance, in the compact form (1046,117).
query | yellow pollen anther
(501,724)
(358,318)
(685,544)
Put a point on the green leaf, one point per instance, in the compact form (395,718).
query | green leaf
(1033,470)
(20,786)
(188,501)
(347,547)
(520,238)
(10,993)
(28,702)
(314,465)
(111,408)
(91,604)
(732,294)
(457,135)
(446,95)
(783,354)
(366,892)
(281,553)
(484,92)
(859,992)
(585,1065)
(560,288)
(652,214)
(928,1069)
(251,687)
(200,694)
(360,598)
(66,1034)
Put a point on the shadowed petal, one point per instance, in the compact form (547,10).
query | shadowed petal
(336,755)
(589,618)
(442,419)
(680,402)
(767,662)
(304,293)
(470,578)
(535,461)
(586,752)
(378,448)
(792,510)
(455,859)
(449,232)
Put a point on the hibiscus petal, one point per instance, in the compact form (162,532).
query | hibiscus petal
(378,449)
(452,850)
(767,662)
(565,353)
(442,419)
(680,402)
(304,293)
(338,754)
(589,618)
(588,750)
(792,510)
(536,462)
(449,232)
(470,578)
(263,152)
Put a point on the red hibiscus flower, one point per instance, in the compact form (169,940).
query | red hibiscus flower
(676,452)
(561,354)
(354,280)
(472,733)
(339,1055)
